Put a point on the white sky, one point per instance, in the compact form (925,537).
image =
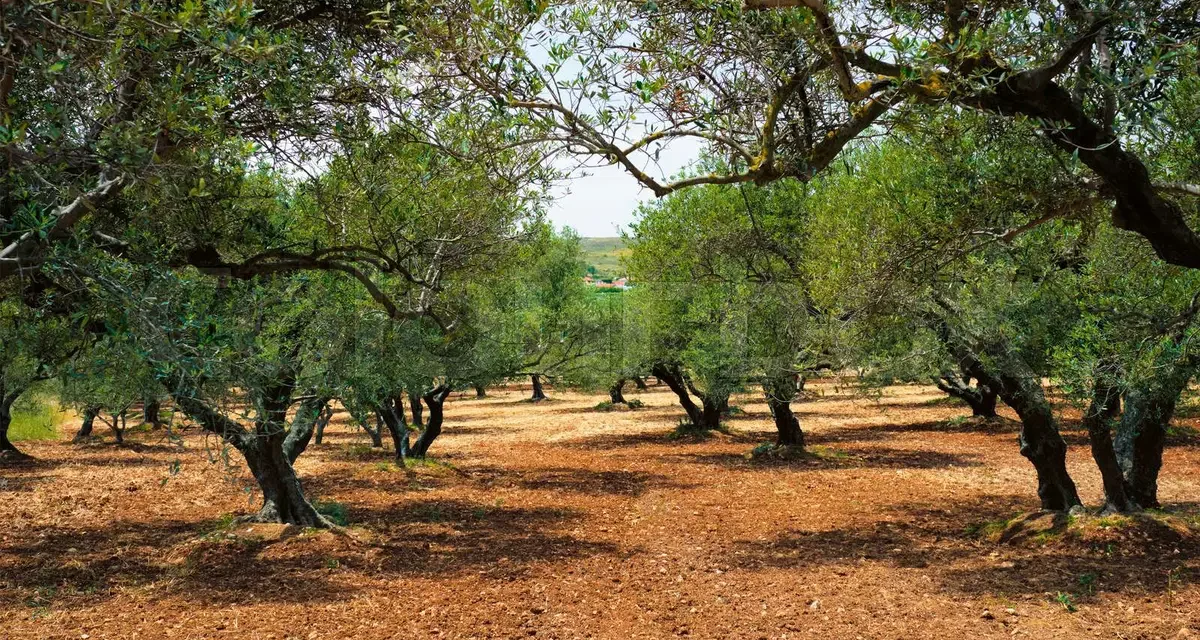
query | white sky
(602,202)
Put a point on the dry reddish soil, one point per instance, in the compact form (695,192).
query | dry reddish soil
(558,521)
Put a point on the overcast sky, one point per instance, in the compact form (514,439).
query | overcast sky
(603,202)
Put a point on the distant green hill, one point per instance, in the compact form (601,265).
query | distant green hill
(605,255)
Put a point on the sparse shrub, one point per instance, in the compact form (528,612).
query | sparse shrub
(635,404)
(604,406)
(334,511)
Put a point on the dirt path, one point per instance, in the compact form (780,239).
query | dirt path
(558,521)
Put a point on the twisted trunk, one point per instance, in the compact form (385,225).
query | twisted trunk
(980,398)
(150,411)
(264,450)
(414,402)
(8,451)
(539,394)
(480,391)
(85,428)
(640,383)
(436,400)
(1142,433)
(1021,388)
(779,392)
(323,418)
(673,377)
(392,412)
(615,392)
(1099,418)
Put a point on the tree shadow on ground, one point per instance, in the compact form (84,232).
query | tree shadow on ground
(945,544)
(866,433)
(581,481)
(450,536)
(840,458)
(82,567)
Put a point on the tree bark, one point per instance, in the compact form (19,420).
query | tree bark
(980,398)
(1020,388)
(435,399)
(392,413)
(539,394)
(640,383)
(283,497)
(1099,418)
(480,391)
(673,378)
(150,411)
(85,427)
(414,402)
(118,427)
(1139,206)
(615,392)
(304,425)
(263,449)
(1142,433)
(323,418)
(780,392)
(8,451)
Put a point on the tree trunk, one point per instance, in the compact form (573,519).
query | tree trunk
(1040,441)
(779,393)
(304,424)
(480,391)
(640,383)
(323,418)
(615,394)
(85,428)
(8,452)
(150,411)
(1100,416)
(283,497)
(436,400)
(392,413)
(1142,433)
(414,402)
(539,394)
(673,378)
(376,434)
(263,448)
(118,427)
(1021,388)
(980,398)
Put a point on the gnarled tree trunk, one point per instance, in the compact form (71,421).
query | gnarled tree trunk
(615,392)
(480,391)
(672,376)
(640,383)
(779,392)
(1142,433)
(414,402)
(980,398)
(323,417)
(435,399)
(150,410)
(539,393)
(1099,418)
(392,413)
(1020,388)
(88,424)
(304,424)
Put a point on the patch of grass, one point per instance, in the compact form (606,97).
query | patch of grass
(735,411)
(945,401)
(825,453)
(428,463)
(430,513)
(1066,600)
(635,404)
(1182,432)
(36,418)
(334,511)
(604,406)
(989,530)
(772,451)
(386,467)
(688,431)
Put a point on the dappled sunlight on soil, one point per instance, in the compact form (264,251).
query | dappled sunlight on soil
(558,520)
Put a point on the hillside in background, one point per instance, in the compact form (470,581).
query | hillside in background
(604,254)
